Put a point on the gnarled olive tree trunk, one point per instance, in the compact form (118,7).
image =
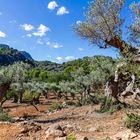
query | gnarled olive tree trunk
(112,86)
(3,89)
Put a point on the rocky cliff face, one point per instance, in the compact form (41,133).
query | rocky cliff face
(27,55)
(9,55)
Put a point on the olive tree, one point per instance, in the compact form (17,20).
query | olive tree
(5,81)
(82,84)
(68,88)
(135,27)
(18,75)
(103,27)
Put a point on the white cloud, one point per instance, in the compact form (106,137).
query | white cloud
(48,43)
(68,58)
(48,56)
(27,27)
(32,48)
(12,21)
(8,42)
(80,49)
(78,22)
(54,45)
(62,10)
(2,34)
(29,35)
(59,59)
(41,31)
(40,42)
(0,13)
(52,5)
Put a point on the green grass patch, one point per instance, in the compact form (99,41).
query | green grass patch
(4,116)
(132,122)
(55,106)
(71,137)
(108,105)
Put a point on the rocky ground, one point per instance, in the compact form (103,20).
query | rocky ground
(82,122)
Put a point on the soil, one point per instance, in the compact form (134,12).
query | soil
(83,121)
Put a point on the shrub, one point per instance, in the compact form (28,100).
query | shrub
(71,137)
(4,116)
(27,95)
(70,103)
(30,95)
(55,106)
(12,93)
(132,122)
(92,100)
(106,105)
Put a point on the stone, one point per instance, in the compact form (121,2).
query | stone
(92,129)
(55,127)
(91,139)
(69,128)
(30,127)
(22,119)
(124,135)
(132,135)
(80,137)
(55,131)
(16,118)
(62,138)
(25,129)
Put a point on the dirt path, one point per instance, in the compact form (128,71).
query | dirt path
(83,121)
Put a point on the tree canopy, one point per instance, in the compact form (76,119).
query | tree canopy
(103,24)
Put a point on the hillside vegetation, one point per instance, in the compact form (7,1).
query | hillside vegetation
(78,76)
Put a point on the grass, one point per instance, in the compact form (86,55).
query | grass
(27,95)
(4,116)
(108,105)
(55,106)
(71,137)
(30,95)
(91,100)
(70,103)
(132,122)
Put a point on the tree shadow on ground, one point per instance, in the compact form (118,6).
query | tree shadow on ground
(51,120)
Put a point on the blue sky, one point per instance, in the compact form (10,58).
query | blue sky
(44,28)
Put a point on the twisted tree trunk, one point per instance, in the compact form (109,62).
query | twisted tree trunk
(112,88)
(3,89)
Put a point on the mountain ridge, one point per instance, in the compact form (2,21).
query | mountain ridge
(10,55)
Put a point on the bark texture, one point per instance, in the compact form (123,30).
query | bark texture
(112,88)
(3,89)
